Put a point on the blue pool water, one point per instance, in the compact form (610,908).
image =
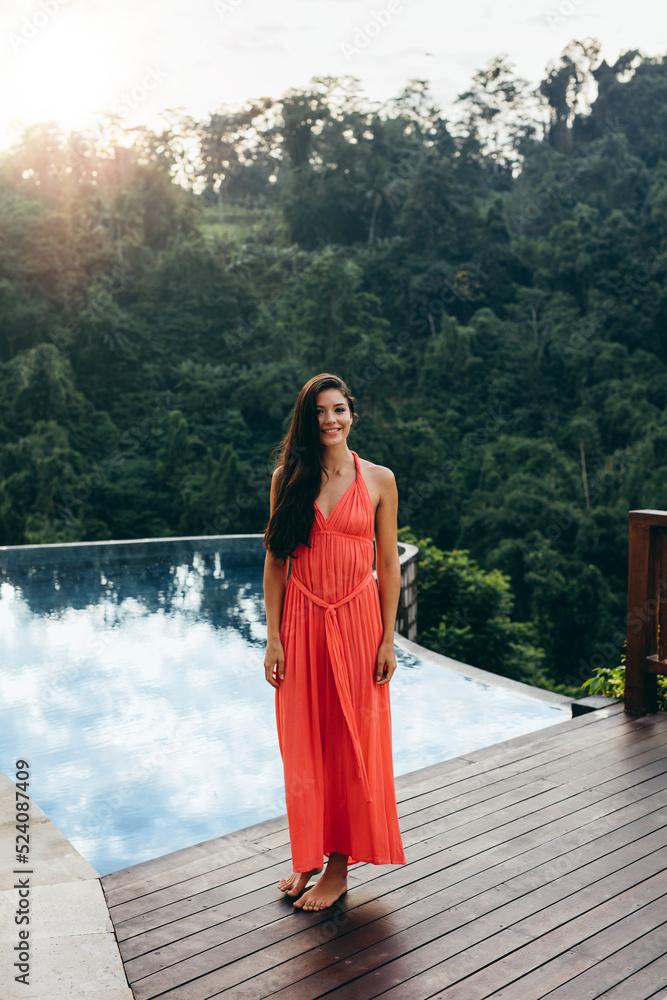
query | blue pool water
(136,691)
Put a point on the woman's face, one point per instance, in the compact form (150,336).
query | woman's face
(333,414)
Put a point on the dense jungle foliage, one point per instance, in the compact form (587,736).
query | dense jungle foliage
(491,286)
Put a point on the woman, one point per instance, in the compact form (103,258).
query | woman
(330,644)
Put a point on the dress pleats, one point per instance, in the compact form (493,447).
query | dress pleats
(334,721)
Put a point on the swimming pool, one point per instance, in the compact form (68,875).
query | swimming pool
(132,681)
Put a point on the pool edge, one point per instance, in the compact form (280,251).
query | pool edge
(63,897)
(483,676)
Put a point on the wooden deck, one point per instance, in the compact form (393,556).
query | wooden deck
(536,869)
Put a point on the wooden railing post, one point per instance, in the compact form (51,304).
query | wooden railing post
(646,635)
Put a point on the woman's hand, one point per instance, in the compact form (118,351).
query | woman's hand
(386,662)
(274,662)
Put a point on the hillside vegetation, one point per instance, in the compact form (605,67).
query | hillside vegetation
(491,286)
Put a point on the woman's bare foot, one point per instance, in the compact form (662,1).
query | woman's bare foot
(294,883)
(327,889)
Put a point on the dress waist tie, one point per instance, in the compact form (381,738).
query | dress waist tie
(341,676)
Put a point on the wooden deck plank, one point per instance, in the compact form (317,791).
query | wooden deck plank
(598,772)
(533,972)
(484,772)
(268,877)
(530,865)
(613,851)
(540,799)
(459,894)
(467,948)
(409,787)
(426,860)
(489,877)
(482,969)
(609,971)
(146,872)
(484,787)
(257,952)
(238,850)
(642,985)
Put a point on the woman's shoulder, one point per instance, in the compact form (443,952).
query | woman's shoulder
(275,480)
(379,475)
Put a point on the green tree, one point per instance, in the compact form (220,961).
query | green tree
(465,613)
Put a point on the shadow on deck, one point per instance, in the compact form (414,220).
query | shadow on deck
(535,869)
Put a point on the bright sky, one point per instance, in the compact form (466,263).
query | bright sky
(65,60)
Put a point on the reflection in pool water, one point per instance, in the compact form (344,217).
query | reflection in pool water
(136,690)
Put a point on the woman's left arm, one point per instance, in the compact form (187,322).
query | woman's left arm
(388,568)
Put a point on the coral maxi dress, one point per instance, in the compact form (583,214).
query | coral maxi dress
(334,721)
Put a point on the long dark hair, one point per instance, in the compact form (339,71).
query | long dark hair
(298,482)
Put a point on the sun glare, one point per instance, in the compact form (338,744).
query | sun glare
(61,74)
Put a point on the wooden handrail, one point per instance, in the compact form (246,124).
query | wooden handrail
(646,635)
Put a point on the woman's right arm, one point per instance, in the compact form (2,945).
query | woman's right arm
(275,571)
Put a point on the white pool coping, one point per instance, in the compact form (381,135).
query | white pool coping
(483,676)
(71,943)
